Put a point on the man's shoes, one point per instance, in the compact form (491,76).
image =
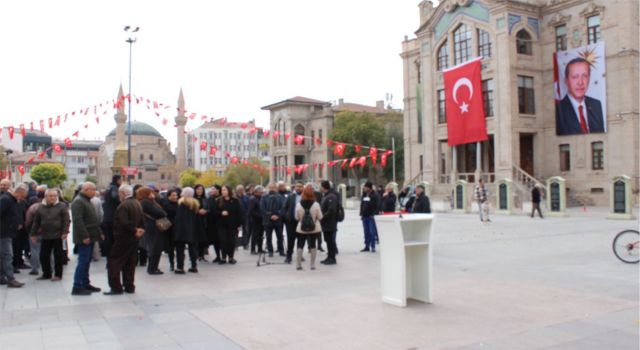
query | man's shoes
(282,254)
(193,270)
(364,250)
(15,271)
(80,291)
(34,273)
(232,261)
(56,279)
(156,272)
(14,284)
(299,268)
(321,250)
(179,272)
(373,250)
(221,262)
(93,289)
(329,262)
(23,266)
(42,278)
(271,254)
(216,260)
(287,260)
(113,292)
(130,290)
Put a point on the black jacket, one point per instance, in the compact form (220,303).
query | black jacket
(370,204)
(271,204)
(127,218)
(232,221)
(389,203)
(535,195)
(289,210)
(422,205)
(329,207)
(110,204)
(153,240)
(254,213)
(8,216)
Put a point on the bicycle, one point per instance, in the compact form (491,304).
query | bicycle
(626,246)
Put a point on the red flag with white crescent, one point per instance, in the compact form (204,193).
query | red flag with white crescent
(353,162)
(362,161)
(57,148)
(21,169)
(373,153)
(339,149)
(23,132)
(203,145)
(464,106)
(265,133)
(11,131)
(358,148)
(67,142)
(299,139)
(41,125)
(213,150)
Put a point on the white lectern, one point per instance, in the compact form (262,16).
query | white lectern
(405,257)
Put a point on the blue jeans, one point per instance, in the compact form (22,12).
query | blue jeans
(6,259)
(81,277)
(369,225)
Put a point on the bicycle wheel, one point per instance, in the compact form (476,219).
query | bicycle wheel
(626,246)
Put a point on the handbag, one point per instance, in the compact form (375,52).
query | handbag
(162,224)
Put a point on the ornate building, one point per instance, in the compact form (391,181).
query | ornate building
(517,40)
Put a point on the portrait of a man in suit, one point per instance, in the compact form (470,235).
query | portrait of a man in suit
(578,113)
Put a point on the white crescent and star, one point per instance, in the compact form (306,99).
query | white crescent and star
(464,107)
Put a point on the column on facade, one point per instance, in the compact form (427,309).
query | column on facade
(505,103)
(429,111)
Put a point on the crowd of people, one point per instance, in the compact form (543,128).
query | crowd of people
(134,226)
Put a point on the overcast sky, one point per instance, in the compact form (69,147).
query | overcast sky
(230,57)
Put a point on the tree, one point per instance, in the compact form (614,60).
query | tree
(395,132)
(241,174)
(189,177)
(209,178)
(49,174)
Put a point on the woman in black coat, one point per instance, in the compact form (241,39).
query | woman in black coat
(153,240)
(186,232)
(389,200)
(170,205)
(228,219)
(201,227)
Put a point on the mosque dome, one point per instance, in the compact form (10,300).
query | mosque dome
(138,128)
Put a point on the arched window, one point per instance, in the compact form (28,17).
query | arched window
(484,44)
(461,44)
(299,130)
(523,43)
(141,157)
(151,157)
(443,56)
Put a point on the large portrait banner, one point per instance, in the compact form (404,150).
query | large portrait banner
(580,90)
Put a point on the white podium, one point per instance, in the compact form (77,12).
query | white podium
(405,257)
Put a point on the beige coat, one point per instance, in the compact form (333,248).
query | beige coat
(316,214)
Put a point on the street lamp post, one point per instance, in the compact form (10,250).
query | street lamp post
(131,39)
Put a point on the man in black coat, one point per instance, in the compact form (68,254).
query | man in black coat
(421,204)
(329,221)
(271,206)
(289,216)
(578,113)
(111,202)
(369,207)
(9,220)
(536,197)
(255,220)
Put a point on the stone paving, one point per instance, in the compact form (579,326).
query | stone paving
(516,283)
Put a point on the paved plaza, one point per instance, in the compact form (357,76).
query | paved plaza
(516,283)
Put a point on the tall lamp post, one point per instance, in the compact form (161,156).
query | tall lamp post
(131,39)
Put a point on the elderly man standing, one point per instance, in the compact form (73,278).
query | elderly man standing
(8,231)
(128,227)
(86,231)
(51,227)
(5,185)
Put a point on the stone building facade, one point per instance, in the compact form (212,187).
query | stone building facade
(517,40)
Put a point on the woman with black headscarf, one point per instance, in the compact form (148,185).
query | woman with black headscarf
(201,225)
(228,219)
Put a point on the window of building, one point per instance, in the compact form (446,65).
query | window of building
(561,37)
(443,56)
(461,44)
(442,109)
(82,171)
(313,137)
(487,97)
(526,98)
(421,163)
(593,29)
(565,157)
(320,172)
(419,71)
(523,43)
(142,157)
(151,157)
(484,43)
(320,134)
(139,175)
(162,176)
(597,155)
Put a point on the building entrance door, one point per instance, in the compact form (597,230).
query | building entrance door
(526,153)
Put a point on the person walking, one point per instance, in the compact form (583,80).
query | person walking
(109,206)
(255,221)
(481,195)
(186,233)
(369,207)
(128,227)
(153,240)
(389,199)
(51,226)
(289,216)
(329,223)
(86,231)
(421,204)
(308,214)
(271,206)
(536,197)
(8,231)
(228,218)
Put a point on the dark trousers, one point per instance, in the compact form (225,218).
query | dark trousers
(311,238)
(20,246)
(332,248)
(193,254)
(123,260)
(292,235)
(257,235)
(228,242)
(171,253)
(246,234)
(154,263)
(105,246)
(536,206)
(48,246)
(142,256)
(280,239)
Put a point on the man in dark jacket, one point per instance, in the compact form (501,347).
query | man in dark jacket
(86,231)
(51,226)
(111,202)
(329,221)
(9,213)
(271,206)
(289,215)
(421,204)
(369,207)
(128,225)
(244,205)
(536,197)
(388,200)
(254,215)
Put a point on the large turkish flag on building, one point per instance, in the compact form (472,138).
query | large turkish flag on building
(464,106)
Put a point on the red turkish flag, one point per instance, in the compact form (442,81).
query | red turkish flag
(31,126)
(41,155)
(339,149)
(11,131)
(21,169)
(203,145)
(253,130)
(329,143)
(41,125)
(344,163)
(299,139)
(276,134)
(57,121)
(358,148)
(287,136)
(234,160)
(265,133)
(373,153)
(23,132)
(353,162)
(465,111)
(213,150)
(67,142)
(318,141)
(362,161)
(57,148)
(383,159)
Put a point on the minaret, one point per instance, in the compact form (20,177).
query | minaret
(181,121)
(120,156)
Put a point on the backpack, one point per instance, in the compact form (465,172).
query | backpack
(307,224)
